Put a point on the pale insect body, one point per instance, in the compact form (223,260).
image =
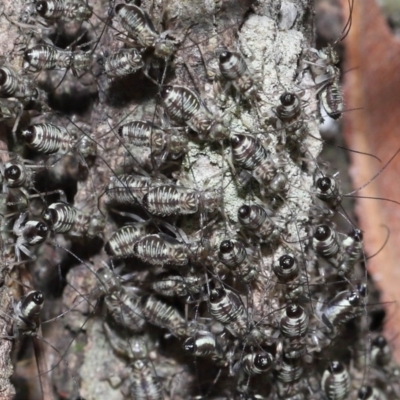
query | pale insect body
(121,242)
(130,189)
(233,254)
(326,243)
(48,138)
(336,381)
(28,233)
(122,63)
(248,153)
(183,105)
(158,140)
(328,190)
(170,200)
(27,314)
(234,69)
(13,85)
(161,249)
(144,382)
(47,57)
(260,222)
(331,96)
(64,218)
(64,10)
(140,27)
(122,305)
(161,314)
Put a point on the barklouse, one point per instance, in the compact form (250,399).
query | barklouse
(205,344)
(260,221)
(64,218)
(249,154)
(144,382)
(336,381)
(139,26)
(183,105)
(234,69)
(121,242)
(161,142)
(170,200)
(47,57)
(122,63)
(234,255)
(28,233)
(64,10)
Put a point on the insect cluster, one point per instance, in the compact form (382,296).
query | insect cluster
(162,188)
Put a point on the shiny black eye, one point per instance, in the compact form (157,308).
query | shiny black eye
(119,7)
(294,311)
(189,345)
(336,367)
(286,261)
(28,55)
(42,229)
(244,212)
(38,298)
(225,56)
(324,184)
(365,393)
(216,295)
(287,99)
(357,235)
(237,140)
(354,299)
(262,361)
(322,232)
(41,7)
(226,246)
(380,342)
(13,172)
(166,90)
(28,134)
(3,76)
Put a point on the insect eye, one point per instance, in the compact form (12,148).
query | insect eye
(226,246)
(225,56)
(3,76)
(354,299)
(38,298)
(357,235)
(380,342)
(13,172)
(41,7)
(237,140)
(189,345)
(336,367)
(293,311)
(324,184)
(263,361)
(365,393)
(28,134)
(287,99)
(35,94)
(286,261)
(119,7)
(216,295)
(166,91)
(244,212)
(42,229)
(322,232)
(28,55)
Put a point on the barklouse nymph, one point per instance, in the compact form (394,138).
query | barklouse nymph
(161,249)
(185,106)
(290,113)
(294,321)
(28,233)
(13,84)
(47,57)
(121,242)
(336,381)
(204,344)
(144,382)
(130,189)
(122,63)
(170,200)
(257,363)
(27,314)
(250,154)
(122,304)
(48,138)
(234,255)
(64,10)
(234,69)
(260,221)
(139,26)
(328,190)
(161,142)
(330,95)
(64,218)
(163,315)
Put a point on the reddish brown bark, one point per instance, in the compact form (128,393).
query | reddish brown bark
(373,84)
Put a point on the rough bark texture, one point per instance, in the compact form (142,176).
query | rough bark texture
(273,36)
